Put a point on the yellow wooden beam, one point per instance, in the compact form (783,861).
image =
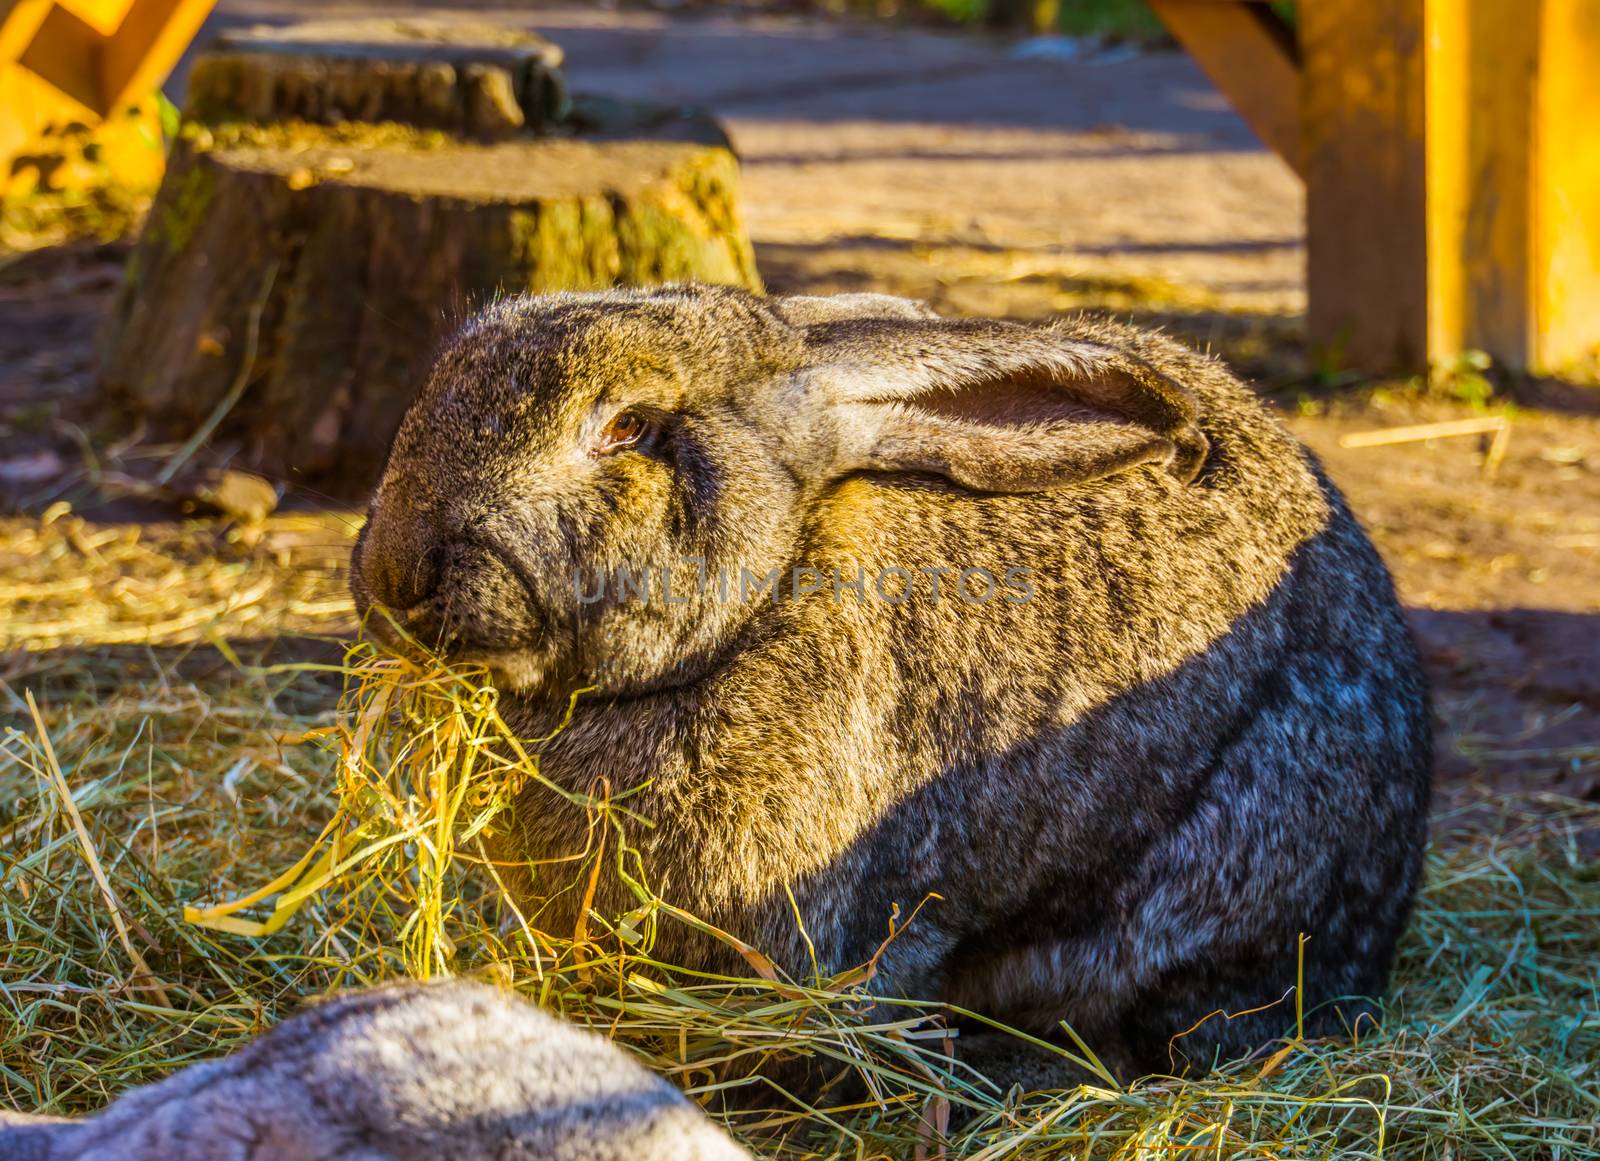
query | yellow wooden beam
(1483,66)
(1452,163)
(65,53)
(146,46)
(19,22)
(1565,205)
(1249,53)
(1363,105)
(1513,199)
(104,16)
(69,64)
(104,70)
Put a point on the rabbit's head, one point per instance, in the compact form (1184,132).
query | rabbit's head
(605,487)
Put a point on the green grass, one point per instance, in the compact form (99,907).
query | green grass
(1129,20)
(197,781)
(1115,20)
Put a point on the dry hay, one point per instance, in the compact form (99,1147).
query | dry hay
(148,780)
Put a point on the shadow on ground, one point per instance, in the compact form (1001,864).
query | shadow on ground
(1517,696)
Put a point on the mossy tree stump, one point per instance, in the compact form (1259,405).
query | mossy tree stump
(295,277)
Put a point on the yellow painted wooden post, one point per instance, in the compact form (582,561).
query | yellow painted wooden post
(1514,181)
(1451,152)
(1362,104)
(1566,200)
(66,63)
(1249,53)
(1483,78)
(27,101)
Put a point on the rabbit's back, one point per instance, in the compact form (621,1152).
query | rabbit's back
(452,1072)
(1202,735)
(1142,726)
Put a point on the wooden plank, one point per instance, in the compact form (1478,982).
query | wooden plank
(1566,199)
(1452,172)
(1249,53)
(59,68)
(1483,63)
(1448,146)
(100,73)
(65,52)
(1362,105)
(144,49)
(19,22)
(27,103)
(104,16)
(1514,182)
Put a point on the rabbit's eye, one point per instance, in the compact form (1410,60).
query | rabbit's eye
(625,429)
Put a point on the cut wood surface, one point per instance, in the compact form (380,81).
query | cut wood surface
(472,79)
(295,279)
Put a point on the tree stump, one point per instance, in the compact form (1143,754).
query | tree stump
(296,275)
(479,81)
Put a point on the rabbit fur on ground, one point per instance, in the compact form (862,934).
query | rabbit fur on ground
(445,1072)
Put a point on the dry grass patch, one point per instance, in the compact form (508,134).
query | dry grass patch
(185,790)
(72,582)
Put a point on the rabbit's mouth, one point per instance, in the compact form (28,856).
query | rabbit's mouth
(469,599)
(513,671)
(516,670)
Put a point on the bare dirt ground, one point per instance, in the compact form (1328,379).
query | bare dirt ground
(946,167)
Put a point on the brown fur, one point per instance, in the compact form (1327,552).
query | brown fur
(1204,734)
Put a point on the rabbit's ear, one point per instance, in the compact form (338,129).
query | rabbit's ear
(998,407)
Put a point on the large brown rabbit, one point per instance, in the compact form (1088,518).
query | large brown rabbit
(1054,622)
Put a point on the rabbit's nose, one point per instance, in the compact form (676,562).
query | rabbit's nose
(415,578)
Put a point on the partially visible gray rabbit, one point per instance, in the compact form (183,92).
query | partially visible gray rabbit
(445,1072)
(1066,629)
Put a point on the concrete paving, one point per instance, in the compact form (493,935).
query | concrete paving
(866,141)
